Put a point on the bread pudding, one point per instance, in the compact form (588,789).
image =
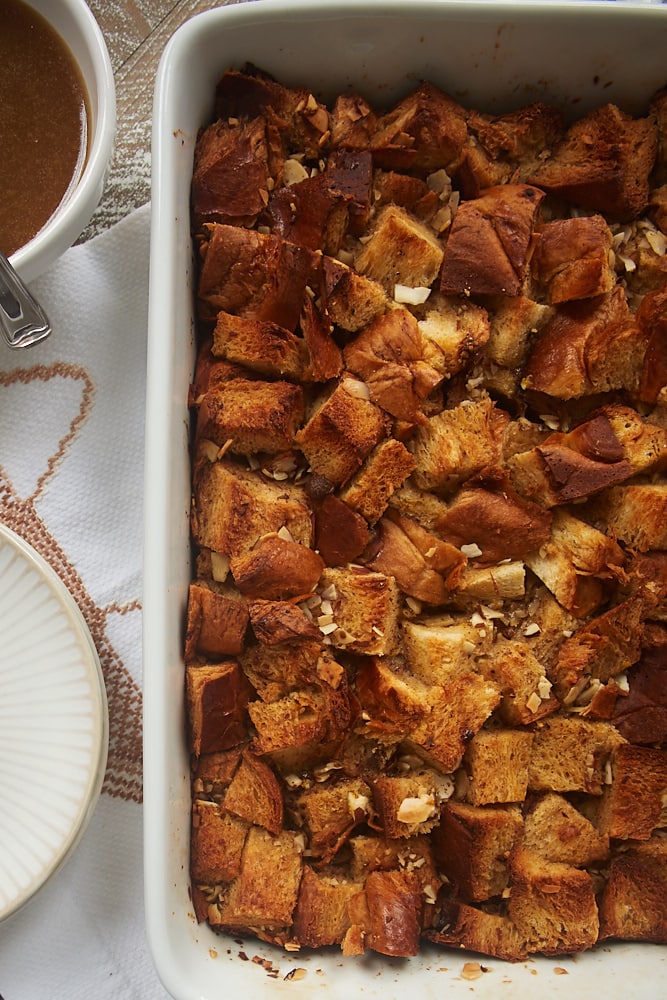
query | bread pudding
(426,632)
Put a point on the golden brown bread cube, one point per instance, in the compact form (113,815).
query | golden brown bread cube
(235,507)
(571,755)
(552,905)
(217,843)
(477,930)
(556,831)
(365,610)
(383,472)
(572,258)
(400,250)
(235,276)
(251,416)
(230,173)
(276,568)
(261,346)
(217,699)
(254,794)
(425,129)
(322,915)
(632,806)
(635,513)
(472,844)
(264,893)
(519,675)
(352,300)
(330,811)
(603,162)
(496,764)
(342,431)
(216,623)
(456,444)
(386,915)
(633,904)
(490,242)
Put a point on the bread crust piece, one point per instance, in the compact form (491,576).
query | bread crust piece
(477,930)
(604,162)
(472,844)
(572,259)
(632,806)
(491,240)
(216,623)
(217,698)
(633,905)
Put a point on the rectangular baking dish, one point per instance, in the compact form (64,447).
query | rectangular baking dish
(494,56)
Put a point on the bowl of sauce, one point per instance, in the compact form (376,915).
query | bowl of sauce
(56,128)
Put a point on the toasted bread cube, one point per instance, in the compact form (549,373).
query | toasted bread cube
(633,904)
(455,444)
(407,805)
(570,467)
(575,563)
(386,915)
(253,416)
(388,355)
(423,566)
(341,535)
(552,905)
(230,172)
(266,890)
(330,812)
(217,843)
(641,716)
(455,713)
(276,622)
(352,300)
(490,584)
(478,930)
(572,258)
(602,648)
(514,321)
(253,274)
(472,844)
(491,515)
(400,250)
(496,762)
(571,755)
(489,244)
(633,804)
(217,699)
(216,623)
(264,347)
(300,729)
(645,443)
(322,915)
(603,162)
(366,610)
(589,346)
(556,831)
(276,568)
(340,434)
(436,649)
(454,334)
(212,772)
(526,691)
(254,794)
(635,514)
(384,470)
(235,507)
(426,129)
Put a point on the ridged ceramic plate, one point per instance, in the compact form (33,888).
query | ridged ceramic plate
(53,723)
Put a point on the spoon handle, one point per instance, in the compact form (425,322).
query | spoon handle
(22,320)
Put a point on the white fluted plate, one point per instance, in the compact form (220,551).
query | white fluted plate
(54,727)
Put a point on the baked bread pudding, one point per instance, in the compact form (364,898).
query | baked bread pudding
(427,625)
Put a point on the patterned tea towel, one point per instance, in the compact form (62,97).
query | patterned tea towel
(71,484)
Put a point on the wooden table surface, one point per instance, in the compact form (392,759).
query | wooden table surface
(136,32)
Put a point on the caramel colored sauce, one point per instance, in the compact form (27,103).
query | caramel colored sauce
(43,123)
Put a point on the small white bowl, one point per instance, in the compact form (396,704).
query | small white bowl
(77,27)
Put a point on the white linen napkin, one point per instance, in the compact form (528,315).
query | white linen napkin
(71,483)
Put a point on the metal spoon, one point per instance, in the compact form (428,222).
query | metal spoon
(22,320)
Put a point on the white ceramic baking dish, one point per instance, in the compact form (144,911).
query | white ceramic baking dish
(492,55)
